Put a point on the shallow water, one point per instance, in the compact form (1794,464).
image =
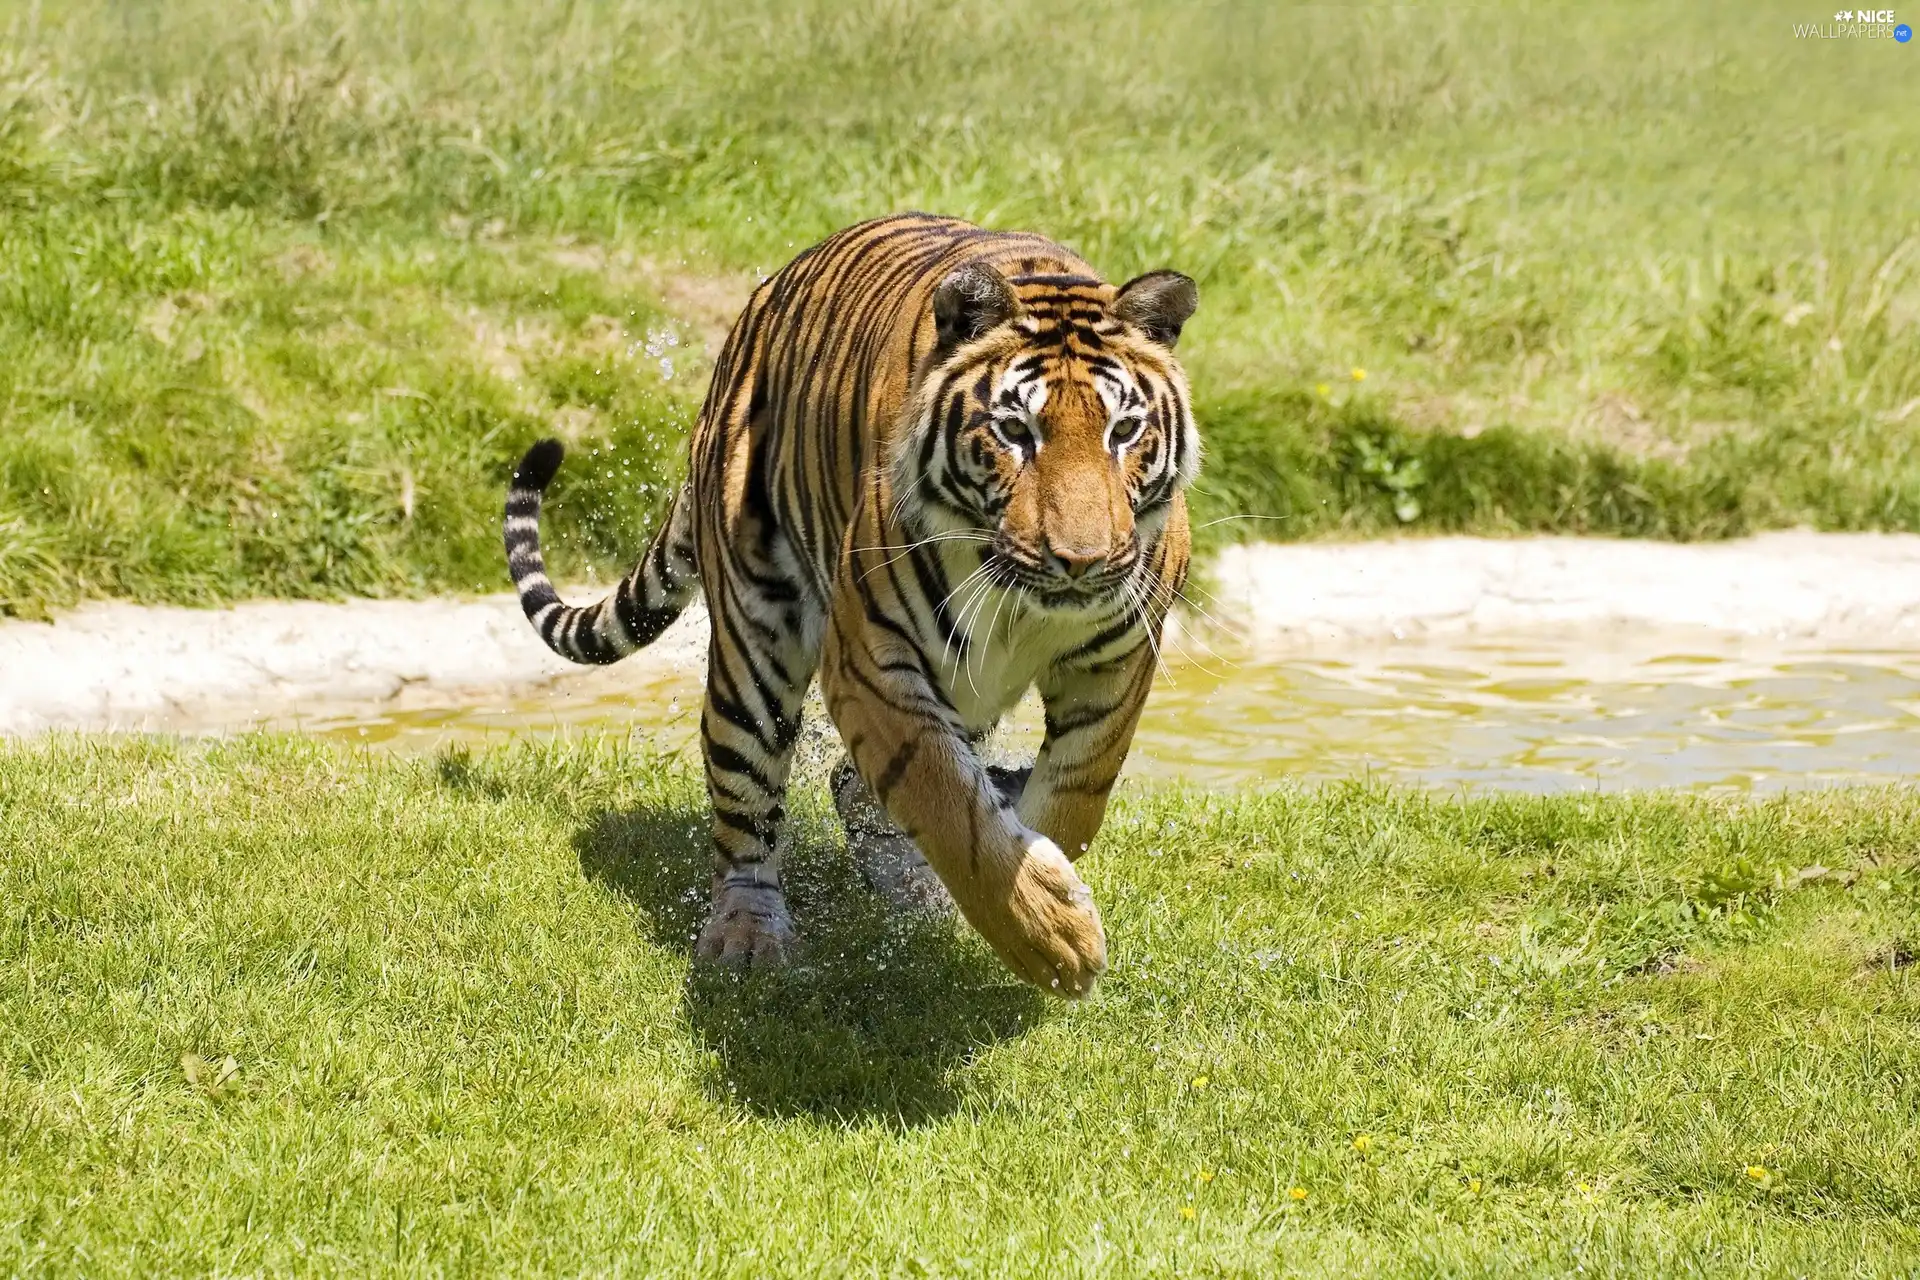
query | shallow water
(1530,714)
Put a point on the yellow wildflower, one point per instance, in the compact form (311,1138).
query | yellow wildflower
(1323,390)
(1760,1174)
(1206,1175)
(1186,1211)
(1473,1185)
(1199,1082)
(1296,1193)
(1363,1143)
(1359,374)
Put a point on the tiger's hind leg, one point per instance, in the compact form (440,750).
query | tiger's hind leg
(887,858)
(760,659)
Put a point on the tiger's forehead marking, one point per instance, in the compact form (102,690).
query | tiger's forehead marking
(1067,312)
(1117,386)
(1028,383)
(1023,389)
(1029,379)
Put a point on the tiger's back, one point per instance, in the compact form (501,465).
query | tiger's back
(937,465)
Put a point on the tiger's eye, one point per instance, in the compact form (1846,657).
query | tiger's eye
(1127,430)
(1015,432)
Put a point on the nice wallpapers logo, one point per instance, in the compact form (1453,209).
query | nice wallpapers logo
(1856,24)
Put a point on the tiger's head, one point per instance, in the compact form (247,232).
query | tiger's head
(1051,420)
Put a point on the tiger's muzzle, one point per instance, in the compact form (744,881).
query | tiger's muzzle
(1053,580)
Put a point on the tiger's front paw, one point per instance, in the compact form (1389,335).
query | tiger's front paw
(749,927)
(1050,931)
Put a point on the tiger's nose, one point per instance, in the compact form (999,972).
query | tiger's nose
(1074,562)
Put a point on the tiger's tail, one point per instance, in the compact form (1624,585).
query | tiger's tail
(648,598)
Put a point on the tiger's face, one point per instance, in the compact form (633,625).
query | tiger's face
(1052,422)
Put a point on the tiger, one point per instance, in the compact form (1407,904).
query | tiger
(937,466)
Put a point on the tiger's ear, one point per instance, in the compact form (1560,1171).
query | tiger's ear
(1157,303)
(971,301)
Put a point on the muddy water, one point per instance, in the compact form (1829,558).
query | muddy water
(1528,718)
(1539,713)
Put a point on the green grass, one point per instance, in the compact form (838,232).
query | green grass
(465,1037)
(283,287)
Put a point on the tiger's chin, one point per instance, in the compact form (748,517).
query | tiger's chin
(1073,600)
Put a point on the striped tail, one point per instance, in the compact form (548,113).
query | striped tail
(649,598)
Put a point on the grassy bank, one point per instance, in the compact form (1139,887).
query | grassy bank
(284,287)
(266,1007)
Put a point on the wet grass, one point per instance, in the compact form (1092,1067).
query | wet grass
(270,1007)
(284,287)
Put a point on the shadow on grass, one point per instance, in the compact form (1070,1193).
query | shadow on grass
(874,1019)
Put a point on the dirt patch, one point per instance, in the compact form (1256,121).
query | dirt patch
(1611,418)
(300,262)
(1890,959)
(1669,964)
(505,346)
(702,307)
(1614,419)
(511,347)
(706,303)
(501,346)
(160,320)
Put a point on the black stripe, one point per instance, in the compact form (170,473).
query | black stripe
(1100,641)
(1080,718)
(722,756)
(896,769)
(932,581)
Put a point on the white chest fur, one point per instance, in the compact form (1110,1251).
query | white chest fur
(1010,645)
